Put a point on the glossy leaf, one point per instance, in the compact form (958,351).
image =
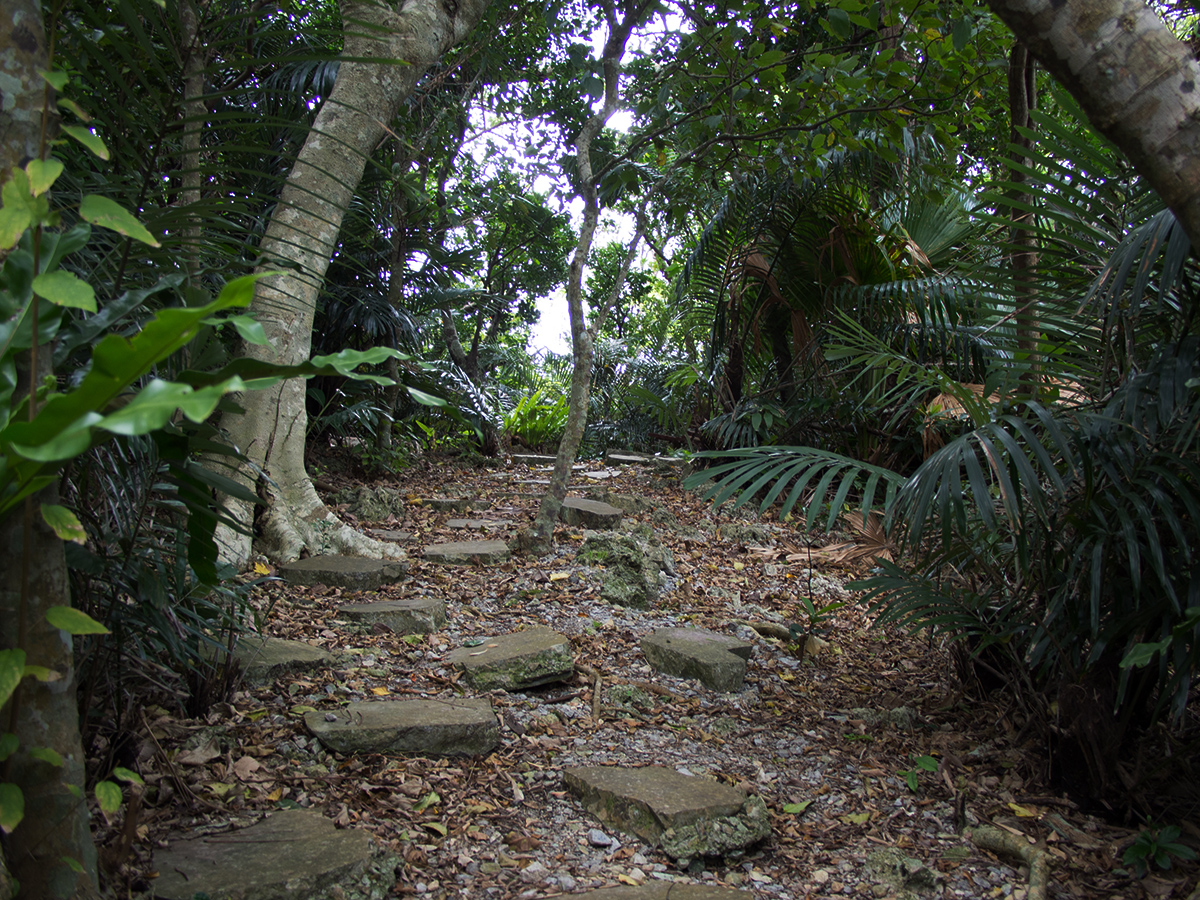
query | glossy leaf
(109,214)
(12,806)
(73,621)
(88,138)
(65,289)
(64,522)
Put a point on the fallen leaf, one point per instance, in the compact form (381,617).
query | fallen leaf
(199,756)
(796,808)
(380,691)
(436,827)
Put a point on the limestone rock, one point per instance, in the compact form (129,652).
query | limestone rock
(372,504)
(292,853)
(715,659)
(533,459)
(631,566)
(516,661)
(689,817)
(906,876)
(460,727)
(351,572)
(480,524)
(449,504)
(418,615)
(738,532)
(589,513)
(264,659)
(465,552)
(393,535)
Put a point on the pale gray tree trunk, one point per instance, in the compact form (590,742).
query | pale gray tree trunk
(41,714)
(1137,82)
(385,52)
(541,538)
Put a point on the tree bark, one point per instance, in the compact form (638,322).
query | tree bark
(384,54)
(1022,100)
(41,714)
(541,538)
(1137,82)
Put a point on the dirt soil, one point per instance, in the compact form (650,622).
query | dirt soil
(832,740)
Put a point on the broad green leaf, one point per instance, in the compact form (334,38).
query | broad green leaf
(123,774)
(248,328)
(9,743)
(47,755)
(110,214)
(961,34)
(73,621)
(109,796)
(17,214)
(64,523)
(12,806)
(69,104)
(65,289)
(427,801)
(72,863)
(157,402)
(1142,654)
(796,808)
(435,827)
(426,399)
(42,674)
(42,174)
(88,138)
(12,670)
(56,78)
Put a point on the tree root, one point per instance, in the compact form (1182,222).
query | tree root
(987,838)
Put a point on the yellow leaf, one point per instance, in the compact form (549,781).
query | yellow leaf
(219,788)
(559,576)
(262,569)
(1022,811)
(856,818)
(625,879)
(275,795)
(380,691)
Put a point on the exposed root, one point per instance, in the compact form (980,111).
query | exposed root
(987,838)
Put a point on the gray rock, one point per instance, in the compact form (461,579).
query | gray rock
(630,504)
(626,458)
(907,876)
(264,659)
(516,661)
(418,615)
(598,838)
(577,511)
(351,572)
(372,504)
(631,566)
(480,524)
(393,535)
(460,727)
(715,659)
(667,890)
(448,504)
(689,817)
(467,552)
(738,532)
(292,853)
(534,459)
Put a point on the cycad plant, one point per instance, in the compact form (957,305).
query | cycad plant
(1050,532)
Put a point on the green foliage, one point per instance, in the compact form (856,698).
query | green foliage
(1158,846)
(538,419)
(920,764)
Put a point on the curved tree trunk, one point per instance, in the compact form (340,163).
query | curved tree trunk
(541,538)
(1137,82)
(385,53)
(41,714)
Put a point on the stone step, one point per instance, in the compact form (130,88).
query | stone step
(264,659)
(596,514)
(666,890)
(448,504)
(459,727)
(533,459)
(393,535)
(626,458)
(351,572)
(418,615)
(292,853)
(467,552)
(516,661)
(480,524)
(688,817)
(717,660)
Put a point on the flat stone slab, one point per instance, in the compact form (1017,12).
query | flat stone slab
(460,727)
(534,459)
(465,552)
(291,853)
(516,661)
(688,817)
(419,615)
(667,890)
(351,572)
(626,458)
(596,514)
(480,524)
(263,659)
(715,659)
(393,535)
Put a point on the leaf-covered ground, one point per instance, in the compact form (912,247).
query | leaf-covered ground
(867,743)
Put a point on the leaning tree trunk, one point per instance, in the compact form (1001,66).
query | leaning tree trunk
(385,53)
(1137,82)
(41,714)
(541,538)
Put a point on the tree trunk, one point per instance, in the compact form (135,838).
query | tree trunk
(1022,100)
(41,714)
(541,538)
(1137,82)
(302,237)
